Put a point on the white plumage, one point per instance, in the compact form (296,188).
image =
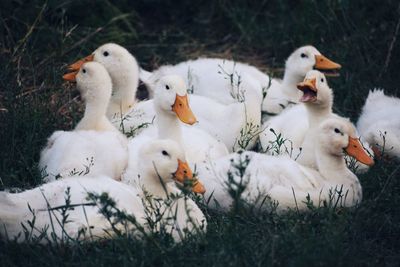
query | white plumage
(286,181)
(95,146)
(158,160)
(379,122)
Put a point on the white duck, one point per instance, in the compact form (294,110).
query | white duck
(379,123)
(162,162)
(299,123)
(282,94)
(286,181)
(237,125)
(124,72)
(228,123)
(219,78)
(82,150)
(170,107)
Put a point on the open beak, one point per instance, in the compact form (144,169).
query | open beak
(356,150)
(184,175)
(309,89)
(78,64)
(71,77)
(327,66)
(182,110)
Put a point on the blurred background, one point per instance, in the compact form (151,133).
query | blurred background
(39,38)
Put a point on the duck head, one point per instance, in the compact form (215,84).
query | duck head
(338,137)
(307,58)
(315,89)
(166,160)
(92,81)
(120,64)
(170,95)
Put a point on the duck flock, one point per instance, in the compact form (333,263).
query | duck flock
(197,135)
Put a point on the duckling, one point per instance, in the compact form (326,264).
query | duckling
(162,163)
(81,151)
(219,78)
(379,123)
(170,107)
(284,180)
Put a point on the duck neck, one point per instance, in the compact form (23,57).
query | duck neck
(168,126)
(334,168)
(154,185)
(317,113)
(124,95)
(94,117)
(289,85)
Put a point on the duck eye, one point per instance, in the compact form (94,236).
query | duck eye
(84,70)
(105,53)
(322,80)
(337,130)
(303,55)
(165,153)
(167,87)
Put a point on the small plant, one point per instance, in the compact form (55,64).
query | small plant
(134,115)
(134,131)
(250,132)
(235,81)
(281,146)
(238,180)
(265,89)
(85,171)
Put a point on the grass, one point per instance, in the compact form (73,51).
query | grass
(38,39)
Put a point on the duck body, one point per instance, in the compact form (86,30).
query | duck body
(84,152)
(284,180)
(162,163)
(379,123)
(210,77)
(87,218)
(224,122)
(279,178)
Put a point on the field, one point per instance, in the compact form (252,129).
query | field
(39,38)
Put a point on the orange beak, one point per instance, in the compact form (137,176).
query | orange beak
(71,77)
(356,150)
(324,63)
(309,84)
(182,110)
(184,176)
(78,64)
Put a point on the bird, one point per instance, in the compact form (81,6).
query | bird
(222,80)
(379,123)
(123,69)
(82,150)
(92,203)
(174,120)
(262,179)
